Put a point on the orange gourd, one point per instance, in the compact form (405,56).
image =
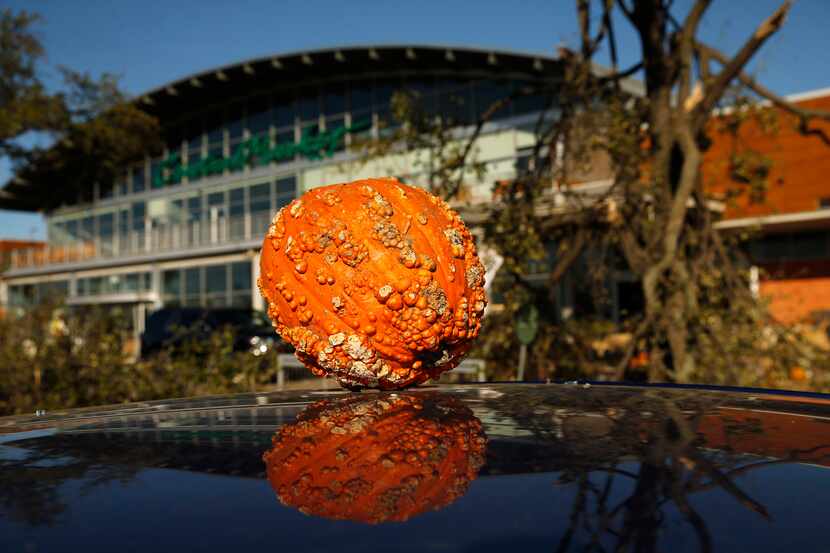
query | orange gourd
(373,282)
(376,458)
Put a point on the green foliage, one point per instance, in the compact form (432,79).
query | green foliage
(94,130)
(51,359)
(25,105)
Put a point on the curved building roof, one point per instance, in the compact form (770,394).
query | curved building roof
(347,63)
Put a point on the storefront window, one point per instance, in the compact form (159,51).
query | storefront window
(241,277)
(123,185)
(360,98)
(216,285)
(171,285)
(236,213)
(286,191)
(487,93)
(259,116)
(309,104)
(138,179)
(334,123)
(192,284)
(334,99)
(236,124)
(283,112)
(285,137)
(106,230)
(214,128)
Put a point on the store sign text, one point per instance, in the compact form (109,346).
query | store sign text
(256,151)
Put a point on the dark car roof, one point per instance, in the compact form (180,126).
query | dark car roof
(482,467)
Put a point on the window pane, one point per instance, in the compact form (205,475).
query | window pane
(87,228)
(194,134)
(487,93)
(146,282)
(241,276)
(94,286)
(360,98)
(106,224)
(241,300)
(384,91)
(130,283)
(192,281)
(259,115)
(138,179)
(216,279)
(334,99)
(172,283)
(138,215)
(285,137)
(194,208)
(286,191)
(216,198)
(214,128)
(236,123)
(283,112)
(123,185)
(236,202)
(260,197)
(308,104)
(72,230)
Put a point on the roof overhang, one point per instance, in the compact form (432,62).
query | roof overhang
(248,77)
(780,222)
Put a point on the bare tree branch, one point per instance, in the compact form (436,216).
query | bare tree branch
(685,51)
(734,66)
(804,114)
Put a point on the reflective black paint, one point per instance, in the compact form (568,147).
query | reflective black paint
(567,468)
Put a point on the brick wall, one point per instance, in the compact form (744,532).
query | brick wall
(796,290)
(800,173)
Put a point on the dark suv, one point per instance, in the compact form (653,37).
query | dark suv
(170,327)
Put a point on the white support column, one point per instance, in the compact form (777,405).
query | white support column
(4,294)
(755,281)
(73,285)
(155,285)
(257,302)
(148,235)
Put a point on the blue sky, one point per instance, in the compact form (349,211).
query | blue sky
(151,42)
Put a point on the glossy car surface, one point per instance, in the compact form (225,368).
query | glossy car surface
(489,467)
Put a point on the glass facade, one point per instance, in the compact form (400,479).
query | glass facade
(24,295)
(114,284)
(198,218)
(284,116)
(219,199)
(213,285)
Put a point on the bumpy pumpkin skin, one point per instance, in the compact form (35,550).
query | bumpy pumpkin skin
(373,282)
(377,458)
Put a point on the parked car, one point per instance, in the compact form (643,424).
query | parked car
(170,327)
(484,467)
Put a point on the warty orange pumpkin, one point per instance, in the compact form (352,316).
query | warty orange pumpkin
(373,282)
(376,458)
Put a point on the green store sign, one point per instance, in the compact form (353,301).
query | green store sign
(256,151)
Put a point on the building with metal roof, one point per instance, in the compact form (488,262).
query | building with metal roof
(242,141)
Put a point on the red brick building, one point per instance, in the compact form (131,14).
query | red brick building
(792,218)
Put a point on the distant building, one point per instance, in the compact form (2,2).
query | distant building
(244,140)
(7,251)
(792,221)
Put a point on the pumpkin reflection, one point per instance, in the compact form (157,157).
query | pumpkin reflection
(376,458)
